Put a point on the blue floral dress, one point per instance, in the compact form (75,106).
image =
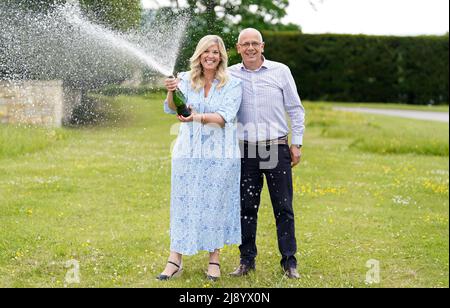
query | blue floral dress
(206,170)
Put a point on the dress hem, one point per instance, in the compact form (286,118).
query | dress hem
(179,251)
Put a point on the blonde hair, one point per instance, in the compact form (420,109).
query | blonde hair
(198,80)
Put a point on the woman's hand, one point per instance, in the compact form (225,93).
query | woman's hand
(171,84)
(190,118)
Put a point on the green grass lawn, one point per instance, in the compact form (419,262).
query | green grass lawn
(370,187)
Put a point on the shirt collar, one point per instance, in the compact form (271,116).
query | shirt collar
(266,65)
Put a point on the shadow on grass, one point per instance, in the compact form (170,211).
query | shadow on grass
(98,111)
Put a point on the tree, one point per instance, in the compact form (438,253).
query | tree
(226,18)
(120,14)
(219,16)
(238,14)
(117,14)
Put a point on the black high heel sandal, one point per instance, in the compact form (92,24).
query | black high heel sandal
(212,278)
(174,275)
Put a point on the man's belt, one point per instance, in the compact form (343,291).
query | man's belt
(280,141)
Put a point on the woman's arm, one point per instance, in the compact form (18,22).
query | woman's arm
(204,118)
(212,118)
(226,114)
(171,85)
(170,102)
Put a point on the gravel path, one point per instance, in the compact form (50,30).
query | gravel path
(410,114)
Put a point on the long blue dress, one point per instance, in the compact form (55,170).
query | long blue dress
(206,167)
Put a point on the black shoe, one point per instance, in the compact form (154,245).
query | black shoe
(292,273)
(174,275)
(210,277)
(243,270)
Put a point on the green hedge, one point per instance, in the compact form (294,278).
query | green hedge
(359,68)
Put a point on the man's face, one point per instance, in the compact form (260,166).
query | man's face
(251,48)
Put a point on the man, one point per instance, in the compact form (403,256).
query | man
(269,92)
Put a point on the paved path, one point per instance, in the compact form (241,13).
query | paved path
(410,114)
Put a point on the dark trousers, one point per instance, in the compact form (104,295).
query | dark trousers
(273,162)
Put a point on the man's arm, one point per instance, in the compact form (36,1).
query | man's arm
(296,112)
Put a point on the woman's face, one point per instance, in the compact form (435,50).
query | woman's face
(210,59)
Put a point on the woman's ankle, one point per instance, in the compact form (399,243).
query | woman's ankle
(214,257)
(176,258)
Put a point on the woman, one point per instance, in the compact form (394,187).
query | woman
(205,197)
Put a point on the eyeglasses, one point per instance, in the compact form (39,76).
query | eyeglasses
(253,44)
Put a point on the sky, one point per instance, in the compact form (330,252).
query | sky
(376,17)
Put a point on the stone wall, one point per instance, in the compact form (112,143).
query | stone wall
(45,103)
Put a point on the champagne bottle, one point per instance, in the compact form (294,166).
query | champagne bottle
(180,102)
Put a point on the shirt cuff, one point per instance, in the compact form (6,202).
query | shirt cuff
(297,140)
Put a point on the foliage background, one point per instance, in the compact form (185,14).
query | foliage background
(117,14)
(360,68)
(328,67)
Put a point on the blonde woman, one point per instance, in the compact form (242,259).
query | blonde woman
(206,166)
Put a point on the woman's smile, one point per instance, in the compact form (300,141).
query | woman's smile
(211,58)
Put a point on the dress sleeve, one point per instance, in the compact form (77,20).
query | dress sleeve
(232,101)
